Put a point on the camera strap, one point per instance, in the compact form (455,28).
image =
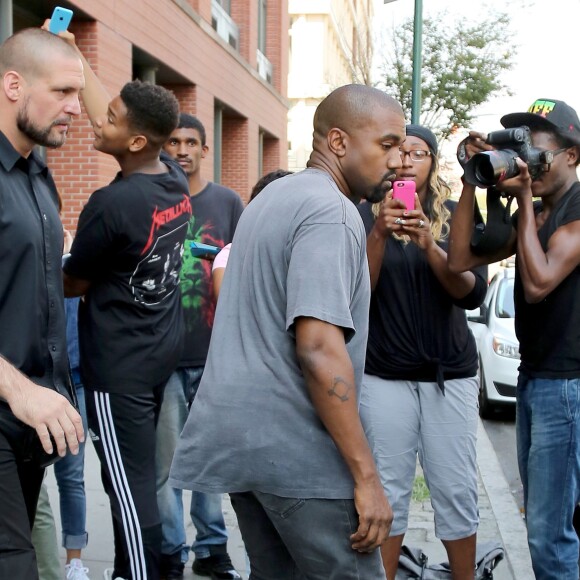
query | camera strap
(488,238)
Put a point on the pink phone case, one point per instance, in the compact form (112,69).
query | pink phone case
(405,191)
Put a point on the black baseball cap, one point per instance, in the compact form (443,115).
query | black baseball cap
(425,134)
(548,114)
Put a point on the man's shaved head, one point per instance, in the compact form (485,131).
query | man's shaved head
(351,107)
(27,51)
(357,133)
(42,76)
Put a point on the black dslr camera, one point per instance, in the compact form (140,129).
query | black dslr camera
(488,168)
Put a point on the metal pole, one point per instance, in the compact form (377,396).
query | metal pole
(417,62)
(5,19)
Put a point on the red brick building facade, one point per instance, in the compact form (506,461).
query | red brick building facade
(225,60)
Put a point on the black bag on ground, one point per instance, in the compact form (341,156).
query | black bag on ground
(413,564)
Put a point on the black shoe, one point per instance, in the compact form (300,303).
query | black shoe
(171,567)
(218,567)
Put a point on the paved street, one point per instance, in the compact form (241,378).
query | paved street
(501,431)
(99,553)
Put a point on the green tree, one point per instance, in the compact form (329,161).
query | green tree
(462,67)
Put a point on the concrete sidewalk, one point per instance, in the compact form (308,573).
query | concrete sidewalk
(500,520)
(100,552)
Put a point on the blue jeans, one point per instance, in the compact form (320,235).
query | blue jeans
(206,509)
(69,473)
(548,433)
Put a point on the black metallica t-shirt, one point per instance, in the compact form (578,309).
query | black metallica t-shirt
(129,244)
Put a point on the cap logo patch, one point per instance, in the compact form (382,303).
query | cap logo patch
(542,108)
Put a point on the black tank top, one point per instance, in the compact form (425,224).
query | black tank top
(549,331)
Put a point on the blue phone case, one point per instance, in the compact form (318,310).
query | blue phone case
(199,250)
(60,19)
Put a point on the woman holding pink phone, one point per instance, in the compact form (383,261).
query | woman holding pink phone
(420,389)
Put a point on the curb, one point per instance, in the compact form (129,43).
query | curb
(512,529)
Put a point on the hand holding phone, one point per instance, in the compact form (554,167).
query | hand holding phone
(60,19)
(405,191)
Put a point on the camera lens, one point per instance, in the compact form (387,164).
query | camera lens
(490,167)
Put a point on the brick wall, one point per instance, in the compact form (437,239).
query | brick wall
(277,44)
(173,36)
(245,15)
(271,155)
(235,158)
(187,97)
(202,7)
(77,168)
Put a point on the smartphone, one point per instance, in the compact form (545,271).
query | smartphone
(60,19)
(203,251)
(405,191)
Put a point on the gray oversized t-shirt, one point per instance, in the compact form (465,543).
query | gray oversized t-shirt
(299,250)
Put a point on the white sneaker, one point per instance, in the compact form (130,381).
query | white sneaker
(75,570)
(108,575)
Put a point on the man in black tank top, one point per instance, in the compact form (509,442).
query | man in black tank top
(546,240)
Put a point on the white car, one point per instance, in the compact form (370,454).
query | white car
(499,356)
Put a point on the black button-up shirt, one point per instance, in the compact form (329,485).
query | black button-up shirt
(32,321)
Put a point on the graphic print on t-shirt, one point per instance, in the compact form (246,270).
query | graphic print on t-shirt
(196,291)
(152,283)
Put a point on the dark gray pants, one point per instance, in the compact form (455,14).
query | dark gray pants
(20,480)
(302,539)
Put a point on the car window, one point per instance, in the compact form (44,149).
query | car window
(504,304)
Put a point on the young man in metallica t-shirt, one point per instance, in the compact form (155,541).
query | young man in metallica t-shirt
(125,261)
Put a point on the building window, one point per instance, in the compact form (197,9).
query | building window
(223,24)
(264,65)
(225,4)
(262,19)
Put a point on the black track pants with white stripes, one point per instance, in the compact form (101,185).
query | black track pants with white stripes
(122,427)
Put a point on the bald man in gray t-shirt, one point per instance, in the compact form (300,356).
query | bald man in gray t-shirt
(275,422)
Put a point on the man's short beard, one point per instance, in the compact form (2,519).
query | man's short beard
(376,194)
(34,133)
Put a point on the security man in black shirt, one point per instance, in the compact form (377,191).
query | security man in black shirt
(42,78)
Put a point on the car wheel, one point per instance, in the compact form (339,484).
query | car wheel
(486,408)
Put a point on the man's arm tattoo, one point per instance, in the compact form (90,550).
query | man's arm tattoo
(340,388)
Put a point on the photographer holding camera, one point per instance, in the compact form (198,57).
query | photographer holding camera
(546,239)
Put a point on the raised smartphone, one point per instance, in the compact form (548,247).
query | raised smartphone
(204,251)
(60,19)
(405,191)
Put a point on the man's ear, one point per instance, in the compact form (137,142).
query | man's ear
(337,141)
(204,150)
(13,84)
(573,154)
(137,143)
